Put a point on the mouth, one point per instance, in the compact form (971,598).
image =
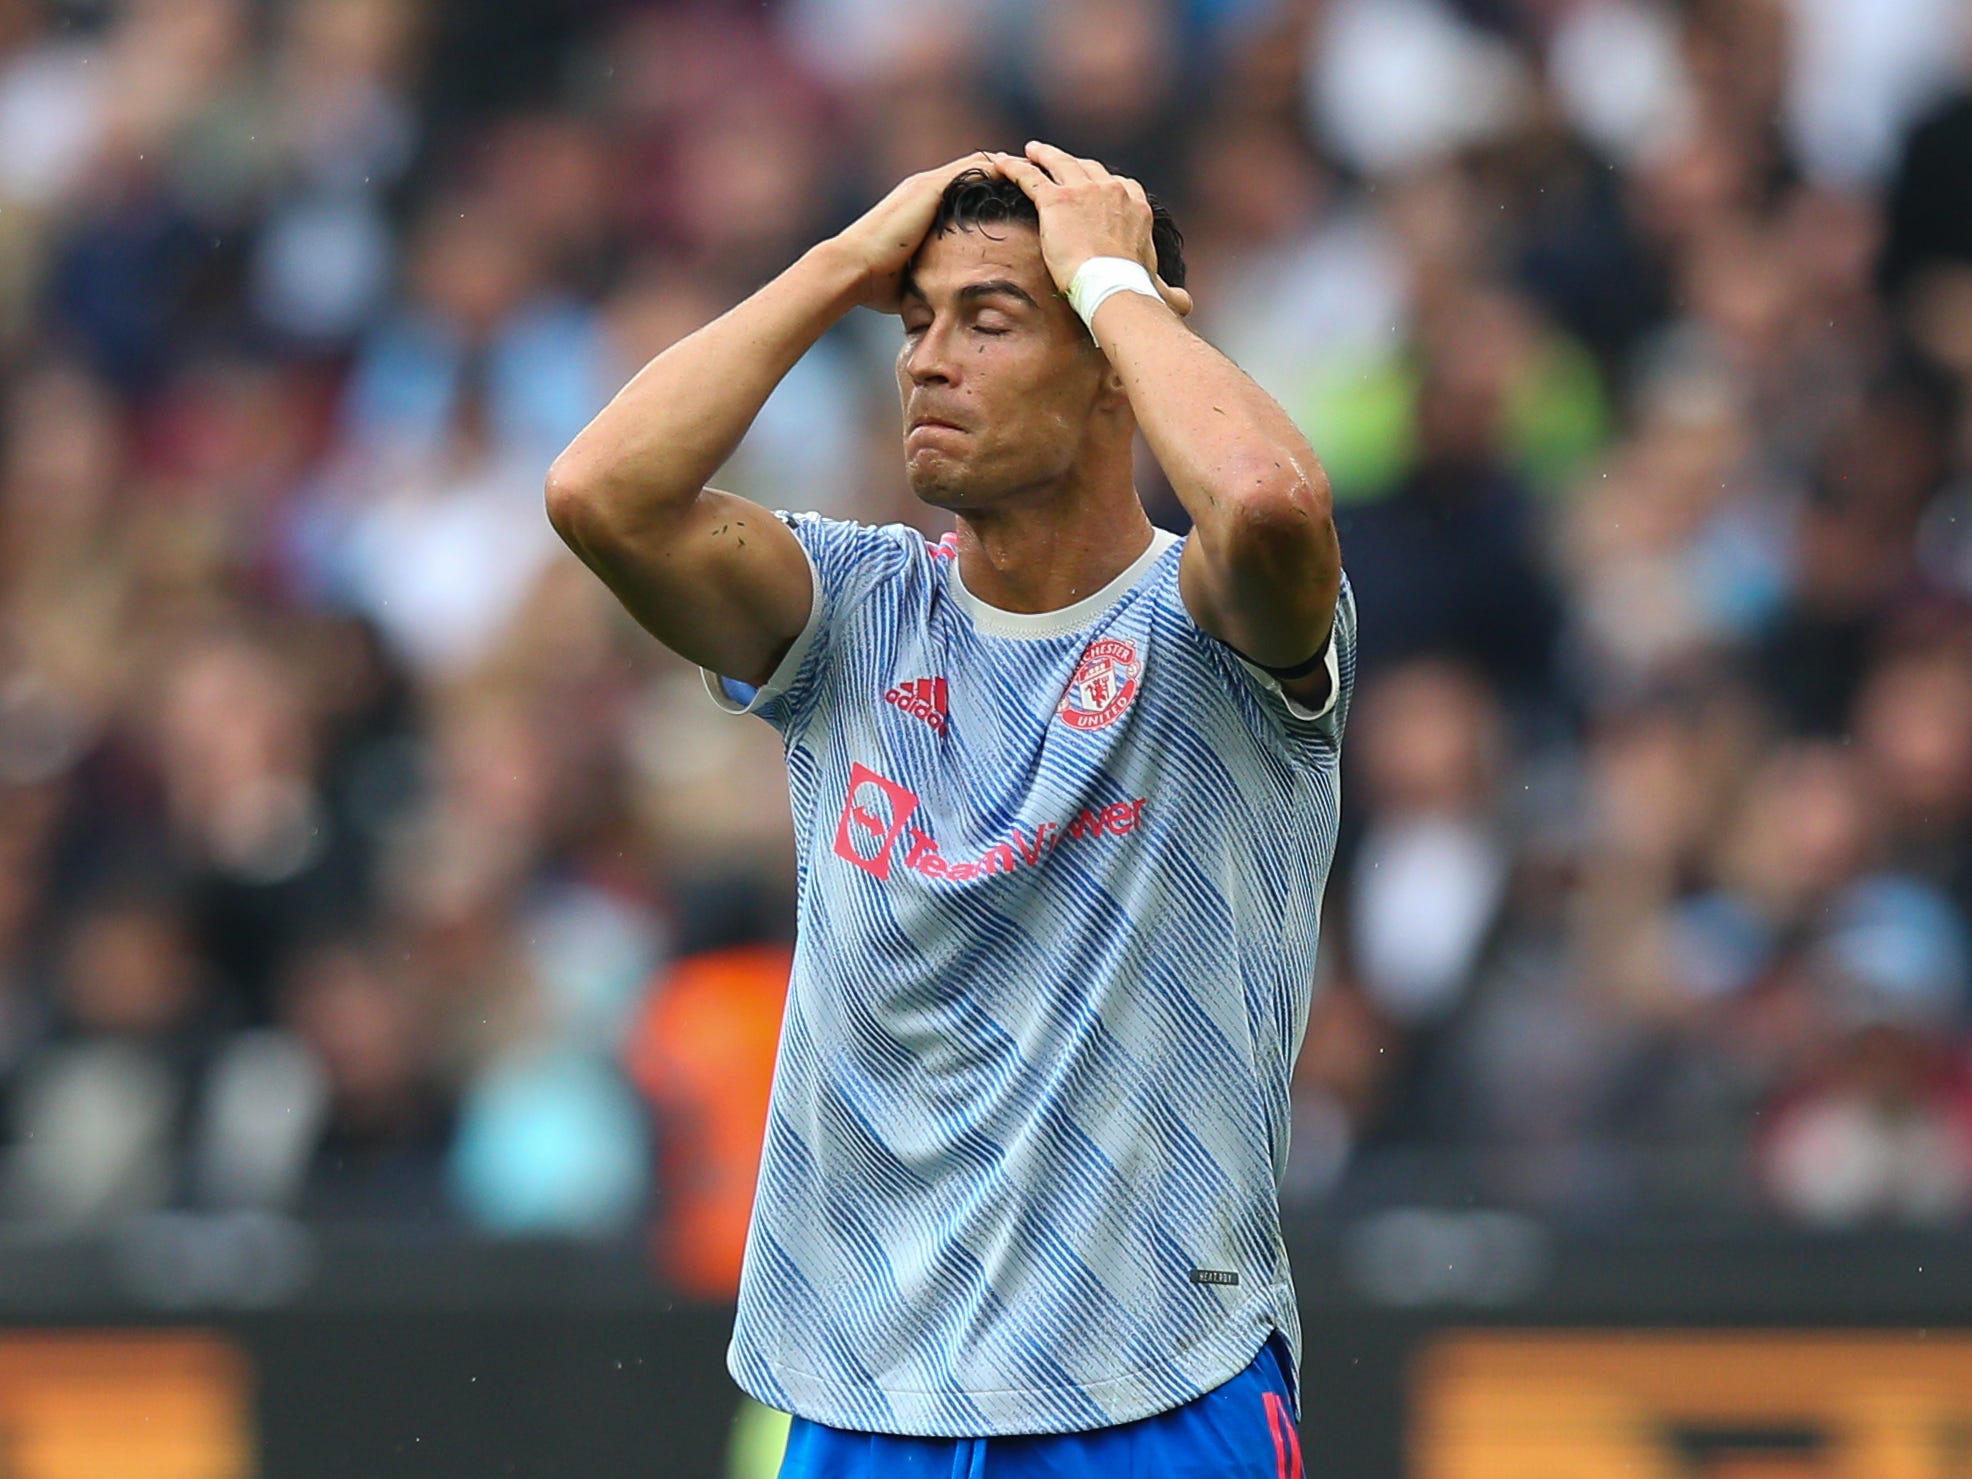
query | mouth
(929,423)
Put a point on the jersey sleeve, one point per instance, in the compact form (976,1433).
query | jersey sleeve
(1340,660)
(1304,731)
(846,562)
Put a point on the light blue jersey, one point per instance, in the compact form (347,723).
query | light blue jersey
(1060,887)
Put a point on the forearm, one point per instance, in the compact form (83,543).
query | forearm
(1233,456)
(667,431)
(1263,566)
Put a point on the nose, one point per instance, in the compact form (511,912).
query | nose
(928,360)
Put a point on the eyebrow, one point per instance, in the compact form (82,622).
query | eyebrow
(972,292)
(997,287)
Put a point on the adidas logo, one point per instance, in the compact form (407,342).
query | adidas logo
(922,698)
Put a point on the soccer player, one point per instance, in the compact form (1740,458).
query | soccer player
(1065,799)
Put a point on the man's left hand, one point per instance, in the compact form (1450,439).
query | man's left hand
(1087,212)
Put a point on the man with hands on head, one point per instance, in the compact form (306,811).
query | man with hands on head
(1065,798)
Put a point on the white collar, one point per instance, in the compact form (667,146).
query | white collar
(1037,624)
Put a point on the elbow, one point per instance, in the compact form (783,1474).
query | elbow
(563,498)
(597,505)
(1271,523)
(574,501)
(1278,502)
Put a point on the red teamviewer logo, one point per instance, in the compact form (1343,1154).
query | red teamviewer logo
(877,810)
(873,818)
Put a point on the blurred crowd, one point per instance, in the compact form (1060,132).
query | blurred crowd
(359,859)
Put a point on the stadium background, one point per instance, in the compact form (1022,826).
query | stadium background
(392,938)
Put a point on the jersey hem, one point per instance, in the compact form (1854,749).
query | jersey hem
(1020,1412)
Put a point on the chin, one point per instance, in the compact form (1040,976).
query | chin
(940,483)
(948,483)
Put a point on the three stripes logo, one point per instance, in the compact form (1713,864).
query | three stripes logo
(923,698)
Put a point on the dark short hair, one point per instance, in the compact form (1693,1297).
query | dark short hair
(976,200)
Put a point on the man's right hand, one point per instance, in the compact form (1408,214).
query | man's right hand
(880,245)
(714,577)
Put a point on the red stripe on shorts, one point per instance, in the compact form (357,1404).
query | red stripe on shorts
(1287,1440)
(1272,1403)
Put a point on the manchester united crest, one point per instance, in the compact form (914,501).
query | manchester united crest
(1104,684)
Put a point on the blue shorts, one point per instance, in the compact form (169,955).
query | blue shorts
(1241,1430)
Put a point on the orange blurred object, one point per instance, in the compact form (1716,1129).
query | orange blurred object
(703,1051)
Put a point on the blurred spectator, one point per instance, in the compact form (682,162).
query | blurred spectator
(1430,870)
(1676,552)
(437,548)
(703,1051)
(1451,560)
(1862,73)
(1280,259)
(1397,84)
(1103,77)
(481,338)
(1619,75)
(102,1114)
(346,134)
(1914,724)
(237,770)
(1879,1127)
(550,1143)
(385,1112)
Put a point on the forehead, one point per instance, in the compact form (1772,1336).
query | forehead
(946,264)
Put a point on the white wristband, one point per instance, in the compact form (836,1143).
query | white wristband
(1099,277)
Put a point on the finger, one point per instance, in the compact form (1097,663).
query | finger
(1059,163)
(932,182)
(1171,295)
(983,159)
(1030,177)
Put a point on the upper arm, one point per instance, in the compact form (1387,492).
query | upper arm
(719,580)
(1265,580)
